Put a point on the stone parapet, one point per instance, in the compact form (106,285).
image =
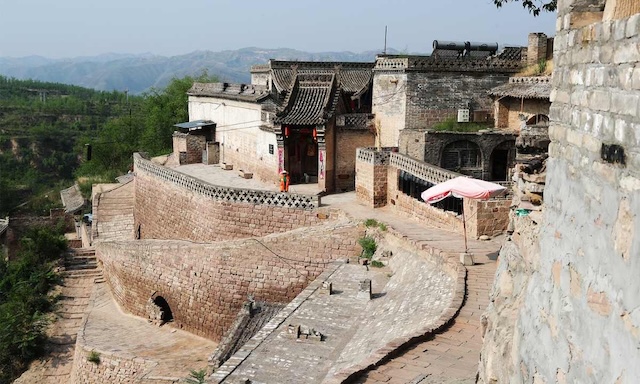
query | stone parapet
(424,171)
(287,200)
(433,64)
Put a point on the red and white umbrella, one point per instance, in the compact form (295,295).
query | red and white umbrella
(462,187)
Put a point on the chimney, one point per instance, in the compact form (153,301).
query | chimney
(537,48)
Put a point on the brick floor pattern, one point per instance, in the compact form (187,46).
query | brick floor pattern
(450,356)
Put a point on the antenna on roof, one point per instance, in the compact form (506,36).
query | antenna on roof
(384,52)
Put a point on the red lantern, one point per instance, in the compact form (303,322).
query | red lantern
(286,131)
(315,133)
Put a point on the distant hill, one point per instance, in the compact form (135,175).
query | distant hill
(139,73)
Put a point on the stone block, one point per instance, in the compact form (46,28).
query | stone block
(625,103)
(626,53)
(581,19)
(466,259)
(364,289)
(599,100)
(326,288)
(633,26)
(226,167)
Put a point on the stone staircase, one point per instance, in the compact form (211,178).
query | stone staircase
(82,263)
(81,271)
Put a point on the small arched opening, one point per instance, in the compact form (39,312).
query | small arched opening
(165,315)
(539,120)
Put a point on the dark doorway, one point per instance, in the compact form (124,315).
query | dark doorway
(167,315)
(302,155)
(499,164)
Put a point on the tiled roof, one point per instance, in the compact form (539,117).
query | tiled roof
(242,92)
(354,80)
(311,101)
(351,77)
(525,88)
(72,199)
(283,79)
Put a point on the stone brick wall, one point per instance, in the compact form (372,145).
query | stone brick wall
(166,210)
(389,105)
(537,48)
(579,318)
(371,177)
(349,140)
(489,217)
(205,285)
(112,368)
(433,97)
(188,148)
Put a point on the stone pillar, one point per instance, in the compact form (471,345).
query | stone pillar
(537,49)
(364,289)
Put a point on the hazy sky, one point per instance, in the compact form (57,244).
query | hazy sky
(69,28)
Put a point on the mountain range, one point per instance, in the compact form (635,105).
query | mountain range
(141,72)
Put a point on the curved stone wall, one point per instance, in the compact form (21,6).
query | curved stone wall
(206,284)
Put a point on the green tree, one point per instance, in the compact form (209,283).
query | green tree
(25,299)
(163,108)
(533,6)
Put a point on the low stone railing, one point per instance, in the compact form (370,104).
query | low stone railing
(236,195)
(422,170)
(392,63)
(374,156)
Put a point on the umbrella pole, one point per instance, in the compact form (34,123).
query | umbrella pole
(464,229)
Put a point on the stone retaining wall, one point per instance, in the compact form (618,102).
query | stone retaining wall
(112,368)
(205,285)
(579,317)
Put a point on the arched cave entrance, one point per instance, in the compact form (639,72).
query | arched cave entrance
(165,310)
(502,159)
(462,156)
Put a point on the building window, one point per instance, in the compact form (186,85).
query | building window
(460,155)
(413,186)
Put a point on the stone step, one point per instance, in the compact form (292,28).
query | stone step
(81,273)
(70,315)
(81,252)
(81,267)
(83,260)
